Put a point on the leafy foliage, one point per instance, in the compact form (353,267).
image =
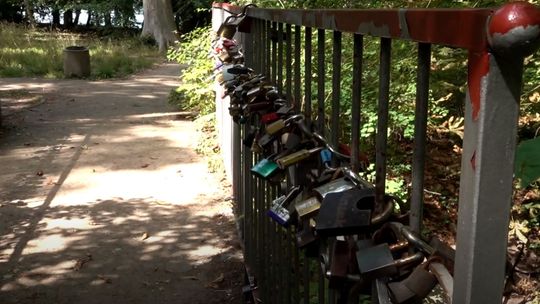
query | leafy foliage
(527,166)
(196,92)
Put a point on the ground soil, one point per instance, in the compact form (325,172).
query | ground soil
(103,199)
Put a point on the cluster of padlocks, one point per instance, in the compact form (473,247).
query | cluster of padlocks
(360,240)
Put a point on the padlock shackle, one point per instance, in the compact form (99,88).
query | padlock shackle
(323,141)
(416,259)
(415,240)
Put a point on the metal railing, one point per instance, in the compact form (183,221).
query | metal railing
(496,41)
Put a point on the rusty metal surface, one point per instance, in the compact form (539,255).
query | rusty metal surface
(464,28)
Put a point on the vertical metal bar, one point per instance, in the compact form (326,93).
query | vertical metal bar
(288,63)
(275,257)
(307,74)
(382,120)
(297,87)
(306,278)
(358,49)
(268,27)
(321,282)
(289,263)
(320,79)
(274,53)
(336,88)
(487,166)
(237,167)
(420,128)
(280,58)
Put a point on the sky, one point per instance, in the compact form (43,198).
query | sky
(83,18)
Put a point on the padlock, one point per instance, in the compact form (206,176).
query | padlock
(265,140)
(379,260)
(278,210)
(415,287)
(306,238)
(445,279)
(280,124)
(272,95)
(290,141)
(296,157)
(249,137)
(269,117)
(337,185)
(238,69)
(343,266)
(265,168)
(285,109)
(256,107)
(345,213)
(308,207)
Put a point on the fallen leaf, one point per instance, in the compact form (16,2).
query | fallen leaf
(39,173)
(145,165)
(105,279)
(144,236)
(190,278)
(80,262)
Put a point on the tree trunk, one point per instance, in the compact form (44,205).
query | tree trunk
(56,17)
(29,13)
(77,15)
(89,20)
(107,17)
(159,22)
(68,18)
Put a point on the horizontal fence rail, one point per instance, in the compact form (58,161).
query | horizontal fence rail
(496,41)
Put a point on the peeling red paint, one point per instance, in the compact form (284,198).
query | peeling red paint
(512,15)
(463,28)
(478,68)
(473,161)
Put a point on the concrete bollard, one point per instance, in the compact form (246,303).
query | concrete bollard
(76,61)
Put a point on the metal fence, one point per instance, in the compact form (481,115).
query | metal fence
(496,41)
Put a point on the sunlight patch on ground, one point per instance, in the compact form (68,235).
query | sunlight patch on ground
(176,184)
(50,242)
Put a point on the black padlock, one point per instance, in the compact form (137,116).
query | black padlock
(415,287)
(306,238)
(346,212)
(342,264)
(378,261)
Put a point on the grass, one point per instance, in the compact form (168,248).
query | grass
(26,52)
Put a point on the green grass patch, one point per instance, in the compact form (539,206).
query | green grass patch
(26,52)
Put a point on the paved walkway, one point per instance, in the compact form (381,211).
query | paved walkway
(103,199)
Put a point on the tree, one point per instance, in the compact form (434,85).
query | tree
(159,22)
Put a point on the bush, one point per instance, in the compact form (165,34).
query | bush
(196,92)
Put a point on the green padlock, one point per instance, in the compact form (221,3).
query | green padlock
(265,168)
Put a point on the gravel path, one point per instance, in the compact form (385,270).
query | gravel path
(103,199)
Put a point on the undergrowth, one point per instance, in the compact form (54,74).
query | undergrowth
(27,52)
(196,92)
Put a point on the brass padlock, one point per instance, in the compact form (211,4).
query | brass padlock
(308,207)
(280,124)
(296,157)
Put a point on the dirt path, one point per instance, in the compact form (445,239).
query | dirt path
(103,199)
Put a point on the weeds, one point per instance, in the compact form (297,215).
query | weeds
(26,52)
